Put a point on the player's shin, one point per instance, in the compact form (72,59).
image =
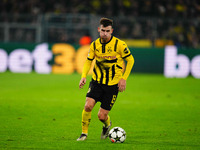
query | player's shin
(106,128)
(86,117)
(107,122)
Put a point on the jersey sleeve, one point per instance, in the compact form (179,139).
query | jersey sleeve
(88,61)
(124,50)
(126,54)
(86,68)
(129,66)
(91,51)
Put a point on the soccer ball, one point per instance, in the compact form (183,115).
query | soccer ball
(117,135)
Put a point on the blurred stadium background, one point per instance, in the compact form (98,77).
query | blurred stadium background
(158,22)
(147,26)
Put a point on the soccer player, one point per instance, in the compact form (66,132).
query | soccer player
(107,78)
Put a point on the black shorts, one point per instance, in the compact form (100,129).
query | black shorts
(105,94)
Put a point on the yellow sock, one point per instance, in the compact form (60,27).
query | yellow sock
(107,122)
(86,117)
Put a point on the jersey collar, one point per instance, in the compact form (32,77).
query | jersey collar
(106,42)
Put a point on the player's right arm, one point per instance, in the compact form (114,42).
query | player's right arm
(82,83)
(87,65)
(86,69)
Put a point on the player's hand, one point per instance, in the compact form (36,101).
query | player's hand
(82,83)
(122,85)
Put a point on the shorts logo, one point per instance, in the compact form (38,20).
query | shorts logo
(113,100)
(89,90)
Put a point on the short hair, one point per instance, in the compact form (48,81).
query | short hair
(106,22)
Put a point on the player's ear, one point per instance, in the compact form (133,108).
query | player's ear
(98,29)
(111,30)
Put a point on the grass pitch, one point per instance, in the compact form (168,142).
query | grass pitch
(44,112)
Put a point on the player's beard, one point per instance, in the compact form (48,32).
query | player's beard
(105,39)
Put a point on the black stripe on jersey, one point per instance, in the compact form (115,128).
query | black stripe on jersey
(94,45)
(90,59)
(101,80)
(116,45)
(119,67)
(110,61)
(103,48)
(107,75)
(95,72)
(113,71)
(126,56)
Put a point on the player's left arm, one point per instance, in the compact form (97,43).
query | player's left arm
(129,66)
(126,54)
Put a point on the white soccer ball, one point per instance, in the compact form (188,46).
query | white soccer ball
(117,135)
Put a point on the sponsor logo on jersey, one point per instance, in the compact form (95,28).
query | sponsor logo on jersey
(106,57)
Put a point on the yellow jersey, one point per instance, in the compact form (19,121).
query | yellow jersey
(109,61)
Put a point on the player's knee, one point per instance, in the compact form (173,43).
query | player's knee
(101,116)
(88,107)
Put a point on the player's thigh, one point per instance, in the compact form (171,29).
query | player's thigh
(89,104)
(109,98)
(95,91)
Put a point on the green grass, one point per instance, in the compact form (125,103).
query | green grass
(44,112)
